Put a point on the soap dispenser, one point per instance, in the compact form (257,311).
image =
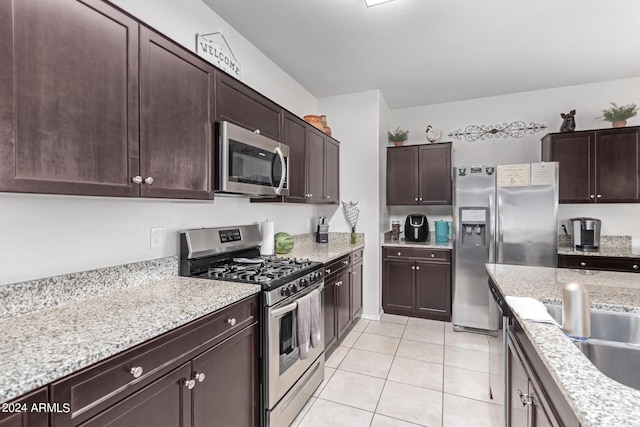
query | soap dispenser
(576,311)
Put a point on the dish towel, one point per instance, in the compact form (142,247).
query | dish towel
(530,309)
(303,325)
(316,335)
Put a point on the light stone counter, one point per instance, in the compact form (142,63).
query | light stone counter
(610,246)
(305,246)
(45,345)
(596,399)
(424,245)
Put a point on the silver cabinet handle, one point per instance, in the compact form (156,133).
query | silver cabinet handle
(583,264)
(592,196)
(148,181)
(355,272)
(433,255)
(190,384)
(137,371)
(137,179)
(345,262)
(257,131)
(232,321)
(598,196)
(399,254)
(525,399)
(327,197)
(200,377)
(327,271)
(635,266)
(417,267)
(416,199)
(413,267)
(420,198)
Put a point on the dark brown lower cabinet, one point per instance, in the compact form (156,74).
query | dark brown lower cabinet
(202,374)
(623,264)
(342,296)
(417,282)
(164,403)
(228,393)
(19,414)
(534,398)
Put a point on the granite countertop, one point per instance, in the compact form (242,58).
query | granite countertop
(624,252)
(323,252)
(48,344)
(425,245)
(596,399)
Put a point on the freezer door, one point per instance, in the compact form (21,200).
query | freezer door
(527,219)
(473,219)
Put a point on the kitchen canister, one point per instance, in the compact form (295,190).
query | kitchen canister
(267,231)
(443,231)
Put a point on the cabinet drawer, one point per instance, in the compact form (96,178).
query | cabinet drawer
(423,254)
(95,388)
(333,267)
(356,256)
(631,265)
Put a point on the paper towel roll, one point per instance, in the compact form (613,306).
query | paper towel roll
(267,246)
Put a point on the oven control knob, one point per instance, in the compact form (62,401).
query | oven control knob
(285,292)
(304,283)
(293,289)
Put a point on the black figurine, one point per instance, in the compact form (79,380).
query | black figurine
(569,122)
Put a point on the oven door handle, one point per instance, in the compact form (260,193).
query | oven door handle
(283,178)
(279,312)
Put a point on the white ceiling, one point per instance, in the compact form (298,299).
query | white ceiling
(420,52)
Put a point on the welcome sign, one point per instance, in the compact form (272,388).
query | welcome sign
(214,48)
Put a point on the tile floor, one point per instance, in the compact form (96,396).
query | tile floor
(403,372)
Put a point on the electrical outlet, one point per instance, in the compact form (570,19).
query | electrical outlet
(156,237)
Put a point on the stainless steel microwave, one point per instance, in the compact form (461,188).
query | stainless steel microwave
(250,163)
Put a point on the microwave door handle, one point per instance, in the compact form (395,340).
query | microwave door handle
(284,170)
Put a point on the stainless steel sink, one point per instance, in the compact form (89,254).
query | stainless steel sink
(614,346)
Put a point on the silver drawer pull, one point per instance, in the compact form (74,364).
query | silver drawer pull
(148,180)
(137,371)
(635,266)
(257,131)
(418,267)
(345,262)
(327,271)
(599,196)
(190,384)
(433,255)
(137,179)
(399,254)
(232,321)
(525,399)
(413,267)
(200,377)
(583,263)
(354,272)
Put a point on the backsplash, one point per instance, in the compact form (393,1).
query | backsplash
(34,295)
(617,242)
(301,240)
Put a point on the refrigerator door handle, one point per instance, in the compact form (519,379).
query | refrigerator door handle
(500,214)
(492,231)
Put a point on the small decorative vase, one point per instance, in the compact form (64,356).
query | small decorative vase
(619,124)
(399,143)
(353,236)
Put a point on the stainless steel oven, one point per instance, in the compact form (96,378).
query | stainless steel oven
(289,381)
(250,163)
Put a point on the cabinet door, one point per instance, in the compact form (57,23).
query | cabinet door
(164,403)
(518,385)
(402,176)
(398,287)
(574,152)
(331,172)
(228,393)
(239,104)
(329,309)
(538,417)
(434,183)
(175,120)
(433,290)
(617,165)
(344,315)
(68,98)
(24,417)
(356,289)
(315,166)
(294,134)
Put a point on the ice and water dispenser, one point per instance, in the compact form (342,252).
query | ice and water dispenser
(473,227)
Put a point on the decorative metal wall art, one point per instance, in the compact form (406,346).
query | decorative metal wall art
(516,129)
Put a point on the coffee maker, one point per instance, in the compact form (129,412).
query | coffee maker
(585,234)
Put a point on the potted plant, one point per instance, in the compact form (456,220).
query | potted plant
(399,136)
(618,116)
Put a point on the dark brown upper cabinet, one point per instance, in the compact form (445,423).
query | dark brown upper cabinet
(68,98)
(239,104)
(176,110)
(294,135)
(600,166)
(419,174)
(92,103)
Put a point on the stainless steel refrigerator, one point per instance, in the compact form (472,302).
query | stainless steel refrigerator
(505,214)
